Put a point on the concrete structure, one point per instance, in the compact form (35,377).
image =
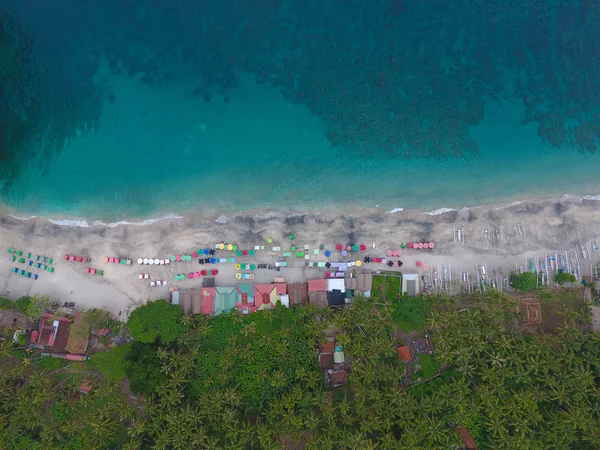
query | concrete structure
(410,283)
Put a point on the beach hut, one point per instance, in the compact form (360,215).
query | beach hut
(245,302)
(317,292)
(410,283)
(208,300)
(298,293)
(265,295)
(225,299)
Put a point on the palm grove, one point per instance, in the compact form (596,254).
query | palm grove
(254,382)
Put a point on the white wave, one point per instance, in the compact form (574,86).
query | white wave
(395,210)
(85,224)
(439,211)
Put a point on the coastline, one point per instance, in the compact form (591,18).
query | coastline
(549,225)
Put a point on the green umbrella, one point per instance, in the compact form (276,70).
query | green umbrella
(355,248)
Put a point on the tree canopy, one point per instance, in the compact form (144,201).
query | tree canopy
(156,321)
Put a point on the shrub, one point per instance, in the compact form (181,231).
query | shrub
(525,281)
(6,303)
(562,278)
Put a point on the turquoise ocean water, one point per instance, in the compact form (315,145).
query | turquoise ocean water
(115,138)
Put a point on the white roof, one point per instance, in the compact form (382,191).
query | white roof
(336,283)
(410,276)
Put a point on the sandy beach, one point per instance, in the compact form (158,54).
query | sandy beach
(501,237)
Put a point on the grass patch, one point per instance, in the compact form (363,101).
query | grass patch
(428,367)
(386,286)
(554,302)
(409,313)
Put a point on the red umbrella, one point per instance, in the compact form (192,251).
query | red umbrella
(203,273)
(426,245)
(349,248)
(190,275)
(431,245)
(195,254)
(363,247)
(214,272)
(389,253)
(419,263)
(244,252)
(339,247)
(420,245)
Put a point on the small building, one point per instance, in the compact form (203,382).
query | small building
(207,300)
(85,389)
(317,292)
(339,378)
(267,295)
(190,301)
(326,361)
(78,335)
(51,334)
(246,303)
(410,284)
(225,299)
(403,353)
(298,293)
(359,282)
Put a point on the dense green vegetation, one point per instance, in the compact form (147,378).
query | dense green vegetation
(156,322)
(254,382)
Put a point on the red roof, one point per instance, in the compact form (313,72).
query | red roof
(317,285)
(281,288)
(207,300)
(48,335)
(403,353)
(327,347)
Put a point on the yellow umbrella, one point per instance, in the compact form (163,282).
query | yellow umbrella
(358,262)
(229,247)
(221,246)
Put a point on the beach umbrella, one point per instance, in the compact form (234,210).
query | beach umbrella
(151,262)
(239,253)
(221,246)
(409,245)
(200,261)
(212,251)
(355,248)
(190,275)
(425,268)
(349,248)
(388,253)
(344,252)
(328,264)
(399,252)
(400,263)
(214,272)
(420,245)
(251,252)
(140,261)
(156,261)
(327,253)
(358,263)
(213,260)
(229,247)
(426,245)
(203,273)
(367,259)
(206,251)
(394,253)
(419,263)
(146,261)
(363,247)
(403,245)
(196,274)
(390,263)
(339,247)
(195,254)
(431,245)
(244,252)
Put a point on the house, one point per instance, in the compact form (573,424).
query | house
(410,283)
(317,292)
(79,335)
(13,319)
(246,303)
(267,295)
(225,299)
(207,300)
(51,334)
(298,293)
(339,378)
(403,353)
(85,389)
(359,282)
(326,361)
(190,301)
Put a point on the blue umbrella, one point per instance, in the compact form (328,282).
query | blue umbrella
(327,253)
(344,252)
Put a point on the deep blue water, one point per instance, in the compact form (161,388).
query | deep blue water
(120,109)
